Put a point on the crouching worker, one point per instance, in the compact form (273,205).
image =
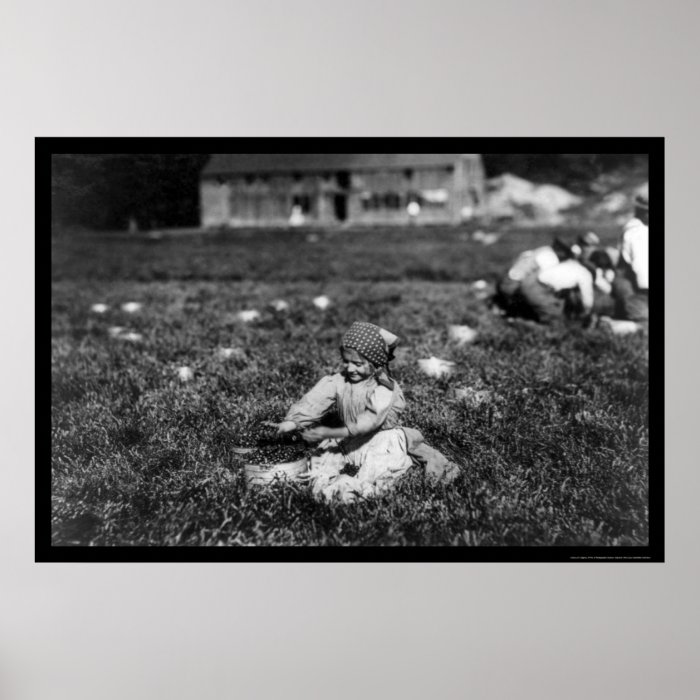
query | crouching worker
(528,263)
(369,450)
(547,295)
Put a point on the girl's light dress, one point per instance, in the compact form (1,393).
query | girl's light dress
(379,450)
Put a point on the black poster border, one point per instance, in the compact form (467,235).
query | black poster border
(46,146)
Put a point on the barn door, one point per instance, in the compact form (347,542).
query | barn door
(340,206)
(340,199)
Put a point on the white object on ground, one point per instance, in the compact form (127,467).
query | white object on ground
(322,302)
(486,238)
(131,307)
(435,367)
(116,331)
(231,353)
(279,305)
(620,326)
(99,308)
(185,374)
(130,337)
(462,334)
(248,315)
(480,284)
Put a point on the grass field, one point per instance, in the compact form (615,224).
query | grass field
(554,452)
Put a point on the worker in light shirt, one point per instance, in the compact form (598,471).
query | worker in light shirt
(545,293)
(631,287)
(528,263)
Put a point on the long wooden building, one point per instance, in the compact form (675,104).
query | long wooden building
(248,189)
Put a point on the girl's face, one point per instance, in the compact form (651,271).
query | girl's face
(357,368)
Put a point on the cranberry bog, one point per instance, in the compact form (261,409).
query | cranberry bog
(158,377)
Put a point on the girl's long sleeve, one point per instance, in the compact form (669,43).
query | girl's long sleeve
(315,404)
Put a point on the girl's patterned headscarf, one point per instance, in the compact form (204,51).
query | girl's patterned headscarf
(374,343)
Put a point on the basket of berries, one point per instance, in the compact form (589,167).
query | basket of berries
(268,459)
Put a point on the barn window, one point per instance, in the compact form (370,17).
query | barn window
(408,174)
(392,200)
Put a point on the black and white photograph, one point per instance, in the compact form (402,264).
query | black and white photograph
(354,356)
(330,363)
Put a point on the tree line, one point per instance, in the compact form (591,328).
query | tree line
(114,191)
(118,191)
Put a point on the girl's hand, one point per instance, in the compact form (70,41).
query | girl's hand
(286,426)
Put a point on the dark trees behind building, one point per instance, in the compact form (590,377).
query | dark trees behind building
(114,191)
(575,171)
(110,191)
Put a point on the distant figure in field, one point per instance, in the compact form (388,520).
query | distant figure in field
(296,218)
(413,210)
(529,263)
(586,244)
(631,287)
(546,296)
(604,274)
(601,264)
(370,450)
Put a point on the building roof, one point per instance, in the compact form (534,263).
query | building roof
(240,163)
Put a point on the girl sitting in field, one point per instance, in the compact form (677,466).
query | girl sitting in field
(369,450)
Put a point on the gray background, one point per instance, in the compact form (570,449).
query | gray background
(224,68)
